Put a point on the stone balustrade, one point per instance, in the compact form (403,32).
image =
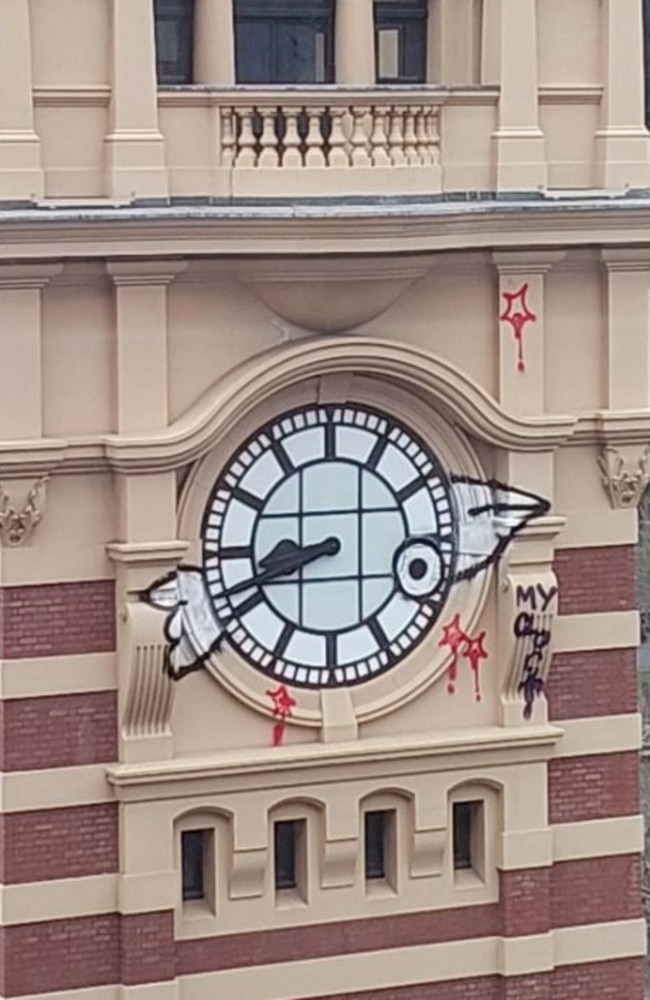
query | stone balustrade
(300,139)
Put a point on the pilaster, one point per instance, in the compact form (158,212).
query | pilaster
(520,155)
(21,397)
(355,42)
(522,366)
(454,42)
(141,338)
(622,143)
(135,149)
(628,328)
(20,147)
(214,42)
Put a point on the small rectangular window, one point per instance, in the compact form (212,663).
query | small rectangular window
(401,41)
(288,837)
(376,831)
(468,835)
(194,845)
(174,25)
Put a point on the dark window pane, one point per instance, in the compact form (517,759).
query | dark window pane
(401,41)
(193,844)
(285,853)
(466,818)
(646,34)
(376,831)
(284,41)
(174,20)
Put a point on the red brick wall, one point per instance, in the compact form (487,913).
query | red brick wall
(58,731)
(60,955)
(593,787)
(58,843)
(525,901)
(619,979)
(596,890)
(596,579)
(147,947)
(341,938)
(63,955)
(57,619)
(594,683)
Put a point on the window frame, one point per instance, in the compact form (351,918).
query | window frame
(279,15)
(410,19)
(180,13)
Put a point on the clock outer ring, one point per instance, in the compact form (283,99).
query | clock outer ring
(439,471)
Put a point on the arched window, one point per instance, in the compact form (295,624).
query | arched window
(284,41)
(401,41)
(174,20)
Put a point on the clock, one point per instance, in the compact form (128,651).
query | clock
(329,545)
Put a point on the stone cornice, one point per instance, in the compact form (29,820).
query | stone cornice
(337,227)
(235,395)
(306,765)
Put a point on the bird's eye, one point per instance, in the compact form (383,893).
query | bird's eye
(418,567)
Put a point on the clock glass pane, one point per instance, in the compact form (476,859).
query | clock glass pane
(329,545)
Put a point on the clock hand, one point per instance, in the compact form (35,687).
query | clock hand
(287,557)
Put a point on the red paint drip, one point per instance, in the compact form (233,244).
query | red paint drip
(471,649)
(283,704)
(517,316)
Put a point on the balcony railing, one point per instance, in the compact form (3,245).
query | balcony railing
(321,141)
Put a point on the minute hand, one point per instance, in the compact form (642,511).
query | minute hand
(289,564)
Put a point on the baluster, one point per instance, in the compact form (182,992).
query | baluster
(247,155)
(359,139)
(315,154)
(227,137)
(338,154)
(421,138)
(379,138)
(292,155)
(396,137)
(433,136)
(269,155)
(410,149)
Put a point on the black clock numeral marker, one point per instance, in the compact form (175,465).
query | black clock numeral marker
(375,455)
(285,462)
(283,640)
(248,605)
(330,440)
(378,633)
(236,552)
(330,649)
(248,498)
(407,491)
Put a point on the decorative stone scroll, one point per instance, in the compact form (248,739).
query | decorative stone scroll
(528,611)
(16,526)
(623,479)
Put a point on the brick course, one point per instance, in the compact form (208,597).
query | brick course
(58,843)
(57,619)
(596,890)
(147,948)
(594,683)
(58,731)
(596,579)
(595,786)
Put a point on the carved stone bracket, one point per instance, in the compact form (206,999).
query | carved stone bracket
(623,479)
(16,526)
(149,697)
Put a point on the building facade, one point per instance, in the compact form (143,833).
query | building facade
(325,407)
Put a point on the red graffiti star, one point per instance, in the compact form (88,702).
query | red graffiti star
(454,637)
(283,703)
(517,315)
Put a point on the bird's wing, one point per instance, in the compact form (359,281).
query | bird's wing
(191,628)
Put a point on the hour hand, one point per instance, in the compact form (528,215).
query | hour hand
(287,557)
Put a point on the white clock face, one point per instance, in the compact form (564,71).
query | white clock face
(329,545)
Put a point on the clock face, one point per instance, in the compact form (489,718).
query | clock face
(329,545)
